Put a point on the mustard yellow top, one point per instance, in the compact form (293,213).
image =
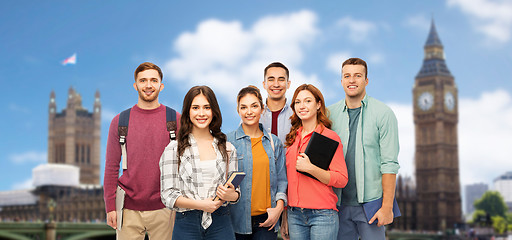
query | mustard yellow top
(260,192)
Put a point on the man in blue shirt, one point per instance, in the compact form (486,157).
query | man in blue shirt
(369,133)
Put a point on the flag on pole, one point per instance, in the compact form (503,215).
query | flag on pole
(70,60)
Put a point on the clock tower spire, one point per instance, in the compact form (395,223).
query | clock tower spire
(436,154)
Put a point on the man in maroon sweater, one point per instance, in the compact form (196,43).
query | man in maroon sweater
(146,139)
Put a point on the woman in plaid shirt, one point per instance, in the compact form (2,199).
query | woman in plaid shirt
(194,167)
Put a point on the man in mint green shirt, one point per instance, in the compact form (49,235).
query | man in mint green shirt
(369,133)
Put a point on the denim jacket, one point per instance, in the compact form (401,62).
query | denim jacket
(241,211)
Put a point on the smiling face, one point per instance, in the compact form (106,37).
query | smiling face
(249,109)
(306,106)
(200,112)
(354,81)
(148,84)
(276,83)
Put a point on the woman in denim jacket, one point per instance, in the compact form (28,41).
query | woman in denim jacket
(261,156)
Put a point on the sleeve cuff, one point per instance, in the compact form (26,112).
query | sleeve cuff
(282,196)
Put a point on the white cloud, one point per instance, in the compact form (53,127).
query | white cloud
(221,54)
(31,156)
(107,115)
(418,21)
(26,184)
(359,30)
(376,58)
(403,113)
(485,135)
(493,18)
(335,60)
(16,108)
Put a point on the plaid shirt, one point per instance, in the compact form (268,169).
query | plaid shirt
(189,181)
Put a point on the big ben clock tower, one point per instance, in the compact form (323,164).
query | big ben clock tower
(436,155)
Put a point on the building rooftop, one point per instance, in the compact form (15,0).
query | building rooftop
(17,197)
(506,176)
(56,175)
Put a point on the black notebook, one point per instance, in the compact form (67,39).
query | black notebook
(320,151)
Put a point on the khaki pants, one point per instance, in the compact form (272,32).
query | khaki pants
(158,224)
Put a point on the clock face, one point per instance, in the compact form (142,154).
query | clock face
(425,101)
(449,101)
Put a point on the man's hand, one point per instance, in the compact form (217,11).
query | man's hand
(112,219)
(384,217)
(208,205)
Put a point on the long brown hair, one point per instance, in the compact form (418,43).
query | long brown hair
(186,125)
(321,116)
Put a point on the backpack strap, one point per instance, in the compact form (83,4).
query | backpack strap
(122,129)
(170,115)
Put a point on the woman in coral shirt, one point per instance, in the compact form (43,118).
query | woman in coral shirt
(312,212)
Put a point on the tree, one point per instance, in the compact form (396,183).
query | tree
(509,220)
(480,217)
(499,224)
(492,203)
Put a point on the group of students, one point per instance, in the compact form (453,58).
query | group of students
(186,173)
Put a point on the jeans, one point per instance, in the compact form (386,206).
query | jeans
(353,224)
(258,233)
(188,225)
(314,224)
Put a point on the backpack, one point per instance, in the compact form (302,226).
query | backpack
(122,129)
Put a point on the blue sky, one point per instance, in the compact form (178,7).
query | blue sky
(226,45)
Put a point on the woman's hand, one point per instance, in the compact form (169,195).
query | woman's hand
(227,193)
(208,205)
(273,215)
(303,163)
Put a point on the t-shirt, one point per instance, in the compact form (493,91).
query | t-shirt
(349,193)
(260,193)
(274,121)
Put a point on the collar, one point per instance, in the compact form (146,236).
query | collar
(286,106)
(364,103)
(319,129)
(239,133)
(192,140)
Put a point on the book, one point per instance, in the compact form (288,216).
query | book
(120,194)
(370,208)
(234,178)
(320,151)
